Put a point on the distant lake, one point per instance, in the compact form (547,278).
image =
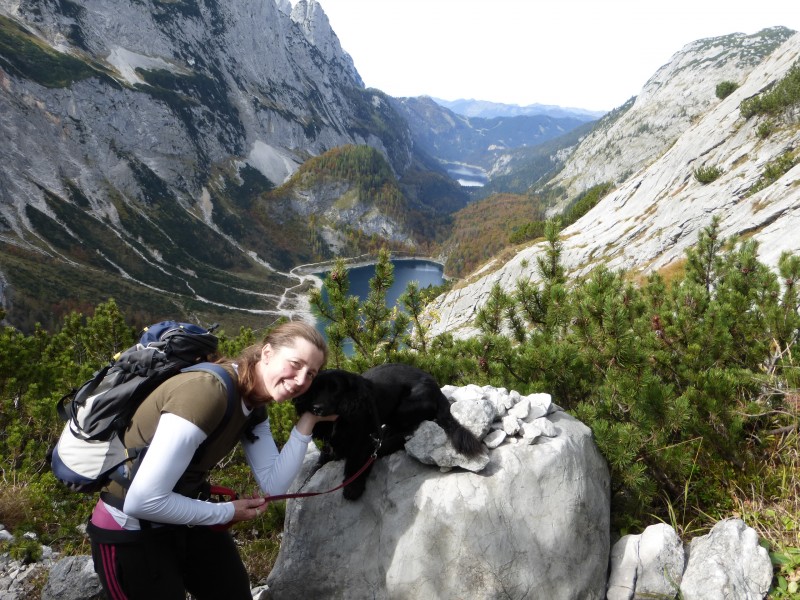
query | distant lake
(467,175)
(424,272)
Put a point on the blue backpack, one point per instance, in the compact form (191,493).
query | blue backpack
(89,453)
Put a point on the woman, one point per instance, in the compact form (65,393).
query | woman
(155,540)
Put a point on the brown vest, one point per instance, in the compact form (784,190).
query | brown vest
(198,397)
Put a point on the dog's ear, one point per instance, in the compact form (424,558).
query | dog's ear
(305,401)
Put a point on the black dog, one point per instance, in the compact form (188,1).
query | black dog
(377,411)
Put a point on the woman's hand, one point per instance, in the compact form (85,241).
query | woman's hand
(305,424)
(247,509)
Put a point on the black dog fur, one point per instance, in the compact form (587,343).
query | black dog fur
(385,404)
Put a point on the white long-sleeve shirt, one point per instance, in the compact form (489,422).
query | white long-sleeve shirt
(150,496)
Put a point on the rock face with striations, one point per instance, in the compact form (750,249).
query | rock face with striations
(138,137)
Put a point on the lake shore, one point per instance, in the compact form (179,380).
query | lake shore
(364,260)
(295,303)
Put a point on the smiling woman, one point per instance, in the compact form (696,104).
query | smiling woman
(286,368)
(188,425)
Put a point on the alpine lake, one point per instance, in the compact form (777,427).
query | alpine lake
(424,272)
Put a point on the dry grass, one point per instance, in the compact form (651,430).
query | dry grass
(259,557)
(673,271)
(772,508)
(14,505)
(259,542)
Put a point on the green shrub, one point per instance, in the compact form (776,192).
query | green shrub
(526,232)
(584,202)
(725,89)
(783,95)
(707,174)
(668,376)
(764,129)
(25,550)
(773,171)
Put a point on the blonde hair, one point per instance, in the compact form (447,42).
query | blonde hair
(281,336)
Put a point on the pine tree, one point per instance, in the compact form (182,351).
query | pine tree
(375,329)
(414,304)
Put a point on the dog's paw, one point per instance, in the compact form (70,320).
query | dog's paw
(353,491)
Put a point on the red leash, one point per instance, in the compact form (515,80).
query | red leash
(226,494)
(338,487)
(378,439)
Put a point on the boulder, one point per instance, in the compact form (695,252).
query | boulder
(533,523)
(73,578)
(727,564)
(648,565)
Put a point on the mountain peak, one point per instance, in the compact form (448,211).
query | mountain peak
(312,20)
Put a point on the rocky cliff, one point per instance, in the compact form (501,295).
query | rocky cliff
(678,95)
(650,151)
(136,142)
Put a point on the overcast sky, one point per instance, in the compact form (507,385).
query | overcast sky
(592,54)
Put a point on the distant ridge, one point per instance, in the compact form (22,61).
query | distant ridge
(489,110)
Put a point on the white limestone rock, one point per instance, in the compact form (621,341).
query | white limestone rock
(430,446)
(475,412)
(510,425)
(649,565)
(727,563)
(494,438)
(521,409)
(525,523)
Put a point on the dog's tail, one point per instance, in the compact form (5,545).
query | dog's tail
(462,438)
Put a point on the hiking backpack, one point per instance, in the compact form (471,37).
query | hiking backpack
(89,453)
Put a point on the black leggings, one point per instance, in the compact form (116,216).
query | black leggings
(163,563)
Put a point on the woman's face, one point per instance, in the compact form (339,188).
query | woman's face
(287,371)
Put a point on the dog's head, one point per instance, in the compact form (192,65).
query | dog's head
(334,392)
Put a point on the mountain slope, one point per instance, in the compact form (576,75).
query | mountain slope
(454,139)
(139,136)
(653,215)
(671,101)
(489,110)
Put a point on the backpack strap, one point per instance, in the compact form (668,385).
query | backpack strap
(227,382)
(137,454)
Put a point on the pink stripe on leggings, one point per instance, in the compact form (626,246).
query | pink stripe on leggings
(108,554)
